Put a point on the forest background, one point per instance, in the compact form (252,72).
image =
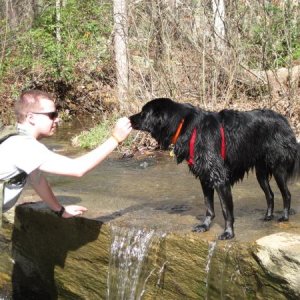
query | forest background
(99,57)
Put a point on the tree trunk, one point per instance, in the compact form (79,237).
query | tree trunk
(58,33)
(121,55)
(219,27)
(12,14)
(4,39)
(35,9)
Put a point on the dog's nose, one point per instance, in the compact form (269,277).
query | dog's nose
(133,121)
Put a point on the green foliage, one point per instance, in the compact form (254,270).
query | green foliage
(277,34)
(95,136)
(296,52)
(84,29)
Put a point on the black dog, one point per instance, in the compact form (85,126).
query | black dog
(220,147)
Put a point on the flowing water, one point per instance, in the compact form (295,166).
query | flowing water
(129,250)
(211,250)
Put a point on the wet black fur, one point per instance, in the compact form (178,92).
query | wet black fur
(257,139)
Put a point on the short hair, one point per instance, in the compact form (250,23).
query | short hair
(30,100)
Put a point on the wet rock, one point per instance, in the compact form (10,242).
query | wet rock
(55,256)
(144,165)
(6,263)
(71,259)
(279,256)
(9,216)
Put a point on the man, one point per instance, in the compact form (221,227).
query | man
(23,154)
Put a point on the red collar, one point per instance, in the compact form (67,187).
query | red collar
(193,141)
(177,133)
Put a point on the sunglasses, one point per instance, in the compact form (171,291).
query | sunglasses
(52,115)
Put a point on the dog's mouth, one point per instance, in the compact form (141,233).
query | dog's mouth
(134,126)
(135,122)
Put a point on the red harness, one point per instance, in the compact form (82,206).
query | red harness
(192,147)
(193,141)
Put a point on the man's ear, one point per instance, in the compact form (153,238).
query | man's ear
(30,118)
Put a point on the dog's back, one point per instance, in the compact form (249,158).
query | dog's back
(258,138)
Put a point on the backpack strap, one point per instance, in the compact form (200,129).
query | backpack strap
(16,180)
(19,179)
(2,139)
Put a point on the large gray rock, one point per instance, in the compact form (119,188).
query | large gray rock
(279,256)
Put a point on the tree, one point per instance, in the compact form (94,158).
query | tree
(4,39)
(121,50)
(58,32)
(219,28)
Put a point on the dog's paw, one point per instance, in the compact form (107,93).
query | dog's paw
(268,217)
(226,235)
(283,219)
(200,228)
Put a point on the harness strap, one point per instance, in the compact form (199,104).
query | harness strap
(223,143)
(193,141)
(192,145)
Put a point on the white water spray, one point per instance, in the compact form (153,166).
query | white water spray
(129,249)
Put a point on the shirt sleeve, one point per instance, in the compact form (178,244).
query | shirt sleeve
(30,154)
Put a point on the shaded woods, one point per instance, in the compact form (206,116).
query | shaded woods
(99,56)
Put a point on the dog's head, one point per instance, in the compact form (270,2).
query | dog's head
(160,117)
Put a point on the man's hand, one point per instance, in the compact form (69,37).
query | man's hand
(122,129)
(73,210)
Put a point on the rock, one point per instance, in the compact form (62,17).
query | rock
(144,165)
(72,259)
(9,216)
(279,256)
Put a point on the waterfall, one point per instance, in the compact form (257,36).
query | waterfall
(211,250)
(223,273)
(129,251)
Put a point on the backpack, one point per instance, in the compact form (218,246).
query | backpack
(5,133)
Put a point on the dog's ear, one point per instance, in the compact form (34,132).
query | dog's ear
(166,126)
(176,117)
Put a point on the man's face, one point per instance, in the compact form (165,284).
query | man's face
(45,118)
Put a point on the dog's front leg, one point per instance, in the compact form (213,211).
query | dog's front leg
(208,193)
(224,192)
